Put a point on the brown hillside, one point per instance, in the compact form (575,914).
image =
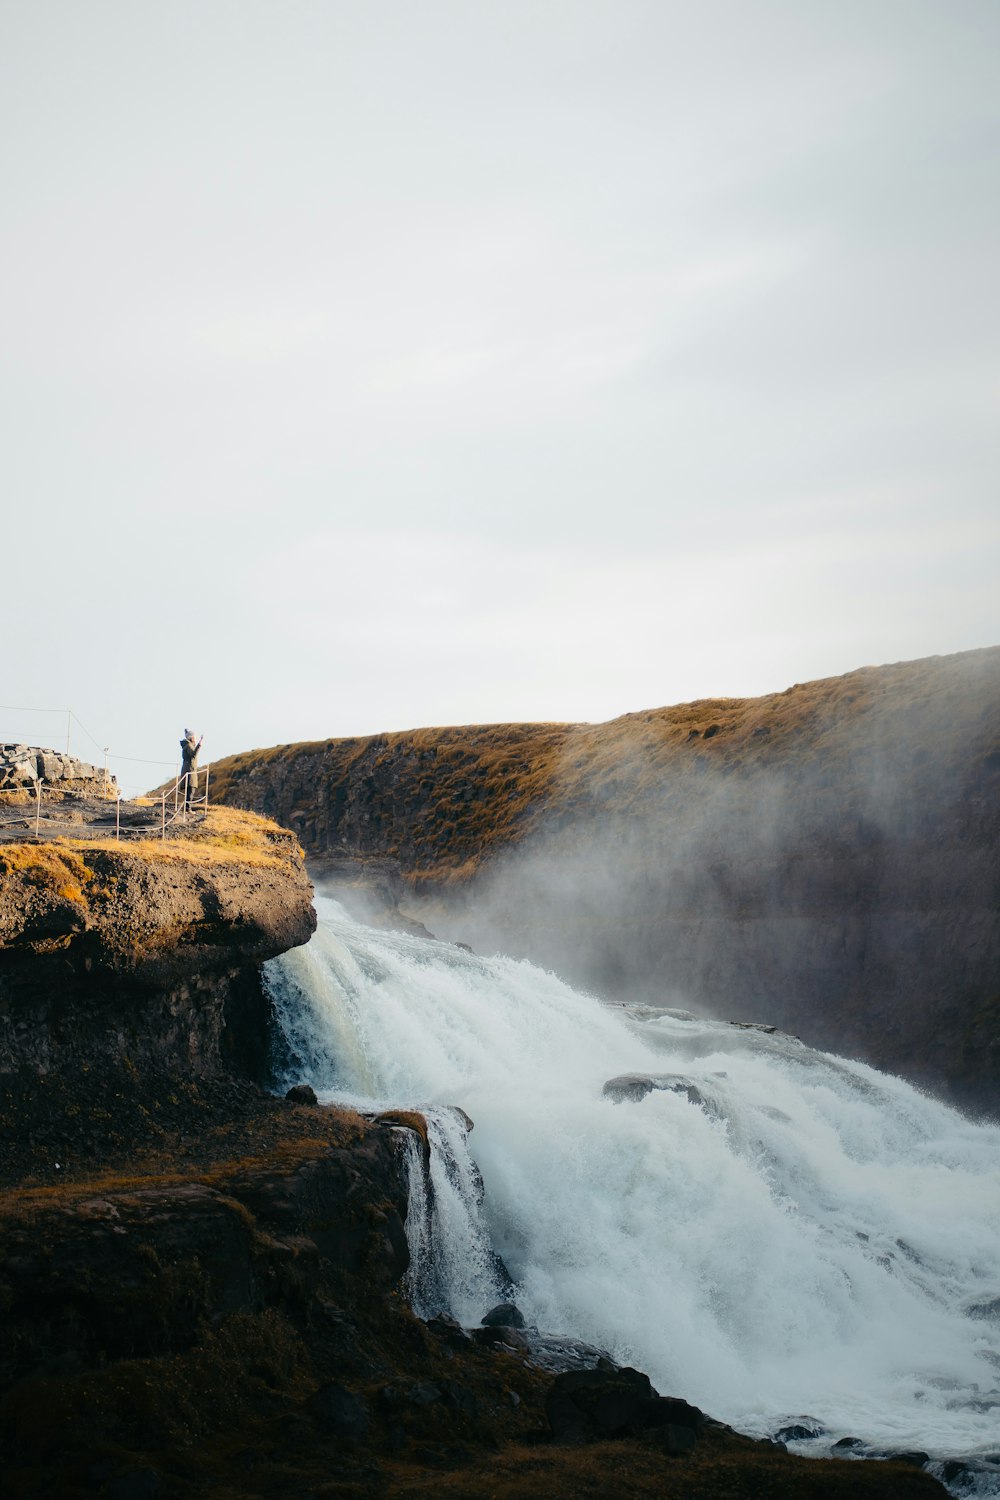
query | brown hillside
(827,857)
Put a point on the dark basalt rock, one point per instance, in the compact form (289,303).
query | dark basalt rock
(592,1405)
(559,1352)
(302,1093)
(512,1338)
(506,1315)
(443,1326)
(633,1087)
(799,1431)
(968,1476)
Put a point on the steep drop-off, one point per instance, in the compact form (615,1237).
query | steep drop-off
(201,1284)
(826,859)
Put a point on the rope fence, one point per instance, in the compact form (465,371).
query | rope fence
(179,801)
(180,798)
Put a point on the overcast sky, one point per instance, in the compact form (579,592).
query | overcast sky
(375,363)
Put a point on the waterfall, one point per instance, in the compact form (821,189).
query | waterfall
(453,1267)
(769,1231)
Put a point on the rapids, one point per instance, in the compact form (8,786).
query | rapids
(815,1238)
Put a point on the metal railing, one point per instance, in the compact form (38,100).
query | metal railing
(184,794)
(177,802)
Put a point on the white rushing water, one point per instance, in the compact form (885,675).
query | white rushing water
(814,1237)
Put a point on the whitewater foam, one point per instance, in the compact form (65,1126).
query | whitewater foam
(811,1239)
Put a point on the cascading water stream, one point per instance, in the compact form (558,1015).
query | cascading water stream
(452,1265)
(797,1234)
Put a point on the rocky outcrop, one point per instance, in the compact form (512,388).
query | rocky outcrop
(145,954)
(633,1087)
(241,1331)
(826,858)
(23,766)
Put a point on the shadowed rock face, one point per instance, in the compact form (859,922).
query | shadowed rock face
(826,859)
(111,957)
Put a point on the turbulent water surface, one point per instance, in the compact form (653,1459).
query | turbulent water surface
(812,1237)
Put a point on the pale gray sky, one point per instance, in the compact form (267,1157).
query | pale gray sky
(373,363)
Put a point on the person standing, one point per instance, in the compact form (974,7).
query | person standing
(189,765)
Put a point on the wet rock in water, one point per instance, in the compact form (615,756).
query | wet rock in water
(773,1113)
(302,1093)
(798,1431)
(967,1476)
(629,1087)
(466,1120)
(988,1310)
(505,1315)
(847,1445)
(340,1412)
(632,1087)
(555,1352)
(513,1338)
(913,1456)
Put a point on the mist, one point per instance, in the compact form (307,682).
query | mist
(822,861)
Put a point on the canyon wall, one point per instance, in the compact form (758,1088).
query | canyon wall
(826,859)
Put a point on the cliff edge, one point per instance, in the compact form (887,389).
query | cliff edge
(131,1000)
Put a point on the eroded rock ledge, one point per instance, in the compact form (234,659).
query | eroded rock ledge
(148,953)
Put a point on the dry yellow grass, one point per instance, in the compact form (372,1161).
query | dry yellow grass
(442,801)
(52,867)
(225,839)
(227,836)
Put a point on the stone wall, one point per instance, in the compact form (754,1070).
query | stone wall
(22,765)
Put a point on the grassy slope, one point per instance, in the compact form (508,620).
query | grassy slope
(442,801)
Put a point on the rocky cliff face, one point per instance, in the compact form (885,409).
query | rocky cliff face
(121,951)
(130,989)
(826,859)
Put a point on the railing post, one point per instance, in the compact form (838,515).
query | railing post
(38,804)
(118,818)
(207,769)
(163,816)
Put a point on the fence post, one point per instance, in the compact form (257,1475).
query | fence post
(38,803)
(207,769)
(118,818)
(163,816)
